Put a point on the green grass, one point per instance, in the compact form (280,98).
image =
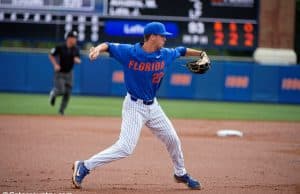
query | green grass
(29,104)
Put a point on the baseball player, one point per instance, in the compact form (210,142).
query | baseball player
(144,66)
(63,58)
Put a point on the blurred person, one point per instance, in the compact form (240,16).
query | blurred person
(144,65)
(63,58)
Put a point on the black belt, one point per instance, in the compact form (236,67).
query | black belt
(146,102)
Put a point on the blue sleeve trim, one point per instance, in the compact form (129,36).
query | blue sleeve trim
(181,50)
(108,44)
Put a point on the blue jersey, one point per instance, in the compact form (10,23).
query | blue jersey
(143,72)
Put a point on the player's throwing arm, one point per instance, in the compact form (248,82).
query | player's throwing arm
(95,51)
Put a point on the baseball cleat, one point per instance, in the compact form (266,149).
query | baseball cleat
(52,98)
(79,172)
(188,180)
(61,113)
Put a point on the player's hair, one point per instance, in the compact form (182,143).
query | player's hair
(146,37)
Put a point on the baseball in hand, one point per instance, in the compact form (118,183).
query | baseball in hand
(93,53)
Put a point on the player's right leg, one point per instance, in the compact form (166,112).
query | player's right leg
(52,97)
(53,92)
(58,87)
(64,103)
(79,172)
(132,122)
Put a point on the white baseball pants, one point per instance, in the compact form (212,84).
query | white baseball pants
(134,115)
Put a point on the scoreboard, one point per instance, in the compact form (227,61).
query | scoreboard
(220,24)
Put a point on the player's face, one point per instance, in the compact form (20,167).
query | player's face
(71,41)
(160,40)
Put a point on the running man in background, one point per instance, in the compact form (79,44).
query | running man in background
(63,58)
(144,66)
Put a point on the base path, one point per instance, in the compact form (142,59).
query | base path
(37,153)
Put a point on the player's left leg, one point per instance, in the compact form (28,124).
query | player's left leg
(68,81)
(64,102)
(58,87)
(162,127)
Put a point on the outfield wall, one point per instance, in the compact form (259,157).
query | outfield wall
(229,81)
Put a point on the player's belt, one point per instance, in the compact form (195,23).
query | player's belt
(146,102)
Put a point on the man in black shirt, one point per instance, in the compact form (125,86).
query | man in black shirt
(63,58)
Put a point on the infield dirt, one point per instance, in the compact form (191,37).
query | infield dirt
(37,153)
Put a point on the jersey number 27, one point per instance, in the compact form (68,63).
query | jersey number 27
(156,77)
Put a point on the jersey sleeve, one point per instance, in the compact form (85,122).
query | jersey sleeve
(175,53)
(77,52)
(119,51)
(55,51)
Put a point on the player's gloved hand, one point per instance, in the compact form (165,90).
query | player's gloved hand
(204,58)
(94,53)
(201,65)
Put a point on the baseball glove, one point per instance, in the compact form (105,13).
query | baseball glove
(201,65)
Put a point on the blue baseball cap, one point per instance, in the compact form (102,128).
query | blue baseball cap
(156,28)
